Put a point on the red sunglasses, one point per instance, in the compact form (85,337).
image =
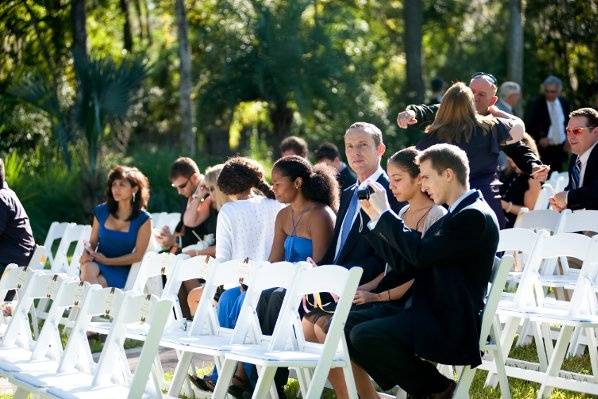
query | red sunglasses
(576,131)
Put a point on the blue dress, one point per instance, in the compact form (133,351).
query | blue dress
(297,249)
(113,243)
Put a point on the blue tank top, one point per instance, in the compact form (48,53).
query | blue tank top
(113,243)
(297,249)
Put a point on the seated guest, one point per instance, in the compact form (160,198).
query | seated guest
(451,263)
(328,154)
(121,229)
(245,229)
(419,214)
(16,239)
(197,209)
(582,190)
(518,190)
(294,145)
(364,149)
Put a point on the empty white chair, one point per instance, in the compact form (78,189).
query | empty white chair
(74,233)
(55,232)
(39,257)
(545,219)
(543,200)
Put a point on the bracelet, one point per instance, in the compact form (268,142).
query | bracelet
(508,210)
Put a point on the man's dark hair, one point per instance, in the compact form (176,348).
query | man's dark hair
(2,173)
(589,113)
(447,156)
(327,151)
(295,144)
(184,167)
(437,84)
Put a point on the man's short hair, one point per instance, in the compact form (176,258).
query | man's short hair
(183,167)
(552,80)
(447,156)
(327,151)
(508,88)
(589,113)
(437,84)
(2,173)
(370,129)
(295,144)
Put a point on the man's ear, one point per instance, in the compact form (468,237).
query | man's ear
(493,101)
(448,174)
(380,149)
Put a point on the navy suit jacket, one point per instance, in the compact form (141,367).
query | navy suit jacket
(585,197)
(452,264)
(357,251)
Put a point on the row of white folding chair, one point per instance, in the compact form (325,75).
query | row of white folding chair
(44,368)
(544,312)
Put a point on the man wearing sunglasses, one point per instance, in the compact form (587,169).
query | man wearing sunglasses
(546,117)
(582,190)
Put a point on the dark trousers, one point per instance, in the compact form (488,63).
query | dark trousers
(553,155)
(268,308)
(380,340)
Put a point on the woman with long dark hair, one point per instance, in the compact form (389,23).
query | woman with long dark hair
(458,123)
(120,231)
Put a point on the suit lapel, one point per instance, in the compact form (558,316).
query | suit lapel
(591,166)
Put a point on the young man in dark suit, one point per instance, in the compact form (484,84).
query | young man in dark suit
(452,265)
(582,190)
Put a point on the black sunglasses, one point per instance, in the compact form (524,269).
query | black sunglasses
(490,77)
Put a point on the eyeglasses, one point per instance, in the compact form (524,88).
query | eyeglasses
(552,91)
(576,131)
(181,186)
(490,77)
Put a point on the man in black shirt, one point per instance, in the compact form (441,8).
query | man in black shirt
(16,239)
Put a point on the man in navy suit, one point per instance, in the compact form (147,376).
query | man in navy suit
(582,190)
(364,148)
(452,265)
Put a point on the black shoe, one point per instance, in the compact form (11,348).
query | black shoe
(203,384)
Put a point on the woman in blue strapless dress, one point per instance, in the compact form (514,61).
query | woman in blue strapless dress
(121,229)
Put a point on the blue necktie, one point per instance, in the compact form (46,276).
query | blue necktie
(576,174)
(348,222)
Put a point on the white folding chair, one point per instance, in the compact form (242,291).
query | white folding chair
(13,278)
(288,347)
(543,200)
(545,219)
(74,233)
(490,335)
(55,232)
(38,259)
(205,335)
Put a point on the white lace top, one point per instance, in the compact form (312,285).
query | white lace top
(245,228)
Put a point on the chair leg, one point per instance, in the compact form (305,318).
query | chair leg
(592,349)
(225,375)
(20,393)
(180,374)
(464,383)
(499,360)
(303,378)
(264,383)
(556,360)
(350,381)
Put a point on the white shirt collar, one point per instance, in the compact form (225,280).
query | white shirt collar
(584,157)
(373,177)
(461,198)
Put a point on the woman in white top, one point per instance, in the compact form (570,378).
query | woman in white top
(245,229)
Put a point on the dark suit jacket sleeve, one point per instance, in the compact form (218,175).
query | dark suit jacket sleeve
(424,114)
(586,196)
(522,155)
(443,246)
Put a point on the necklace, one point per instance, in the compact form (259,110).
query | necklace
(303,212)
(415,212)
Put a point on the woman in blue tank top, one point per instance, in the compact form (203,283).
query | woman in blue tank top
(121,229)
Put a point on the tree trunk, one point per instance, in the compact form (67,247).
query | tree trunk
(139,13)
(78,18)
(281,117)
(515,42)
(187,133)
(127,35)
(413,16)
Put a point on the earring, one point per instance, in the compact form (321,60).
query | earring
(133,197)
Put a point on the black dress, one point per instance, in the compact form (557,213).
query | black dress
(513,188)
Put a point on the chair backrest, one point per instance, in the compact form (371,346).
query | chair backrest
(578,221)
(499,280)
(73,233)
(227,273)
(334,279)
(38,259)
(153,265)
(545,219)
(543,199)
(40,285)
(265,276)
(145,310)
(55,232)
(561,183)
(171,220)
(554,176)
(13,278)
(157,219)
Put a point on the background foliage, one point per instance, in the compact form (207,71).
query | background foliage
(260,70)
